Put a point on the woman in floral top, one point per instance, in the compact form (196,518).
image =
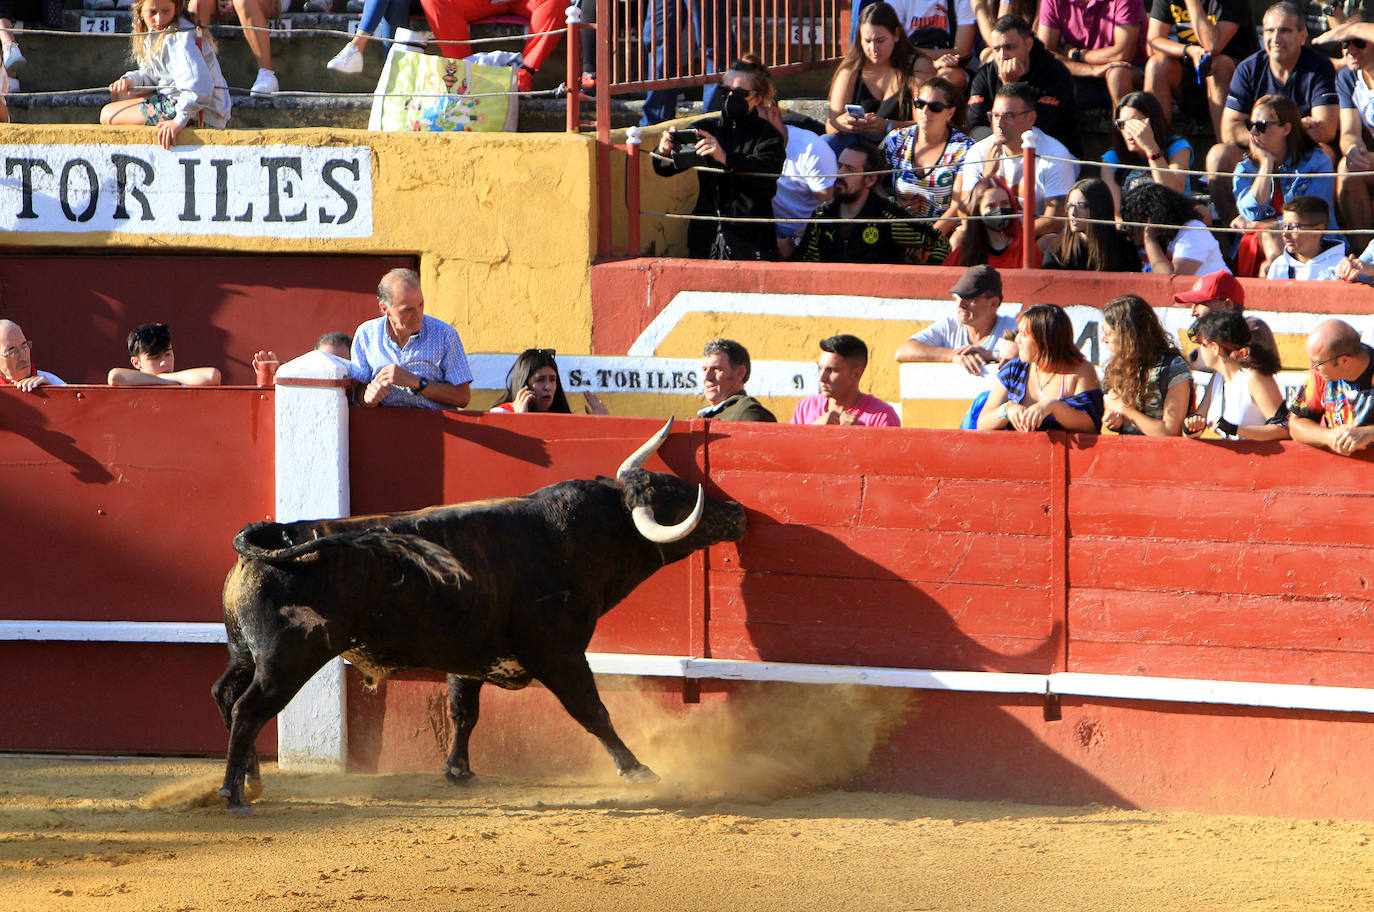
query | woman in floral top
(926,156)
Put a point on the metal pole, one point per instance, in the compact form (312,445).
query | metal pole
(632,141)
(574,76)
(1029,249)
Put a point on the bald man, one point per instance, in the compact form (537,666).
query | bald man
(16,361)
(1336,410)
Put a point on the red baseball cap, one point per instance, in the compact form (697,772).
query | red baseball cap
(1214,287)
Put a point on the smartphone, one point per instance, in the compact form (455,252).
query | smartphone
(684,138)
(854,110)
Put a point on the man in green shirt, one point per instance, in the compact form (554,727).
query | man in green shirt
(724,371)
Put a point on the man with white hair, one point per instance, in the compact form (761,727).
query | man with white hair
(16,361)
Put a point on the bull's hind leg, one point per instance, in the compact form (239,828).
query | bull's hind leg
(570,679)
(226,693)
(463,708)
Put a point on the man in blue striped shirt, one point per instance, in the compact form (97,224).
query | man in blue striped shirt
(406,358)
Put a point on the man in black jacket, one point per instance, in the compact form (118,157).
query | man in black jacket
(1018,56)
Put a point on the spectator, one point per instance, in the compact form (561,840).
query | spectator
(449,19)
(1090,240)
(1283,163)
(1013,113)
(1248,404)
(710,23)
(808,175)
(1018,56)
(154,362)
(1177,243)
(1142,137)
(1306,254)
(1355,92)
(1357,269)
(874,76)
(337,344)
(740,152)
(881,236)
(405,358)
(1049,385)
(968,338)
(381,18)
(1286,66)
(1197,42)
(1336,407)
(533,384)
(1149,387)
(842,362)
(253,16)
(941,31)
(926,156)
(992,236)
(1102,42)
(178,77)
(1223,291)
(13,59)
(725,368)
(16,361)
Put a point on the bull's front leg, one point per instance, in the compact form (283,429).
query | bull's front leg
(463,708)
(570,679)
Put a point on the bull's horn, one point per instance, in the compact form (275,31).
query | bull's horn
(641,455)
(651,529)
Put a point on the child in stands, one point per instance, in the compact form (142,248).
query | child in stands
(178,81)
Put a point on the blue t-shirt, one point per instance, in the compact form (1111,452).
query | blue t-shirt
(1355,95)
(1126,178)
(1311,85)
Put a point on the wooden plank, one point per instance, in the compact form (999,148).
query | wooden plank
(797,498)
(956,505)
(1231,663)
(1242,568)
(1226,465)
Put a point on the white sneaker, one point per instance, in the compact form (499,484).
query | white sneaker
(14,59)
(319,6)
(12,86)
(266,84)
(355,6)
(349,60)
(124,4)
(99,4)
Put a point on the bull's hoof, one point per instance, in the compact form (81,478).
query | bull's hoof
(240,810)
(458,777)
(252,788)
(640,773)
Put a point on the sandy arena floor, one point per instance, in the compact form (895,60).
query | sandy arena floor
(747,831)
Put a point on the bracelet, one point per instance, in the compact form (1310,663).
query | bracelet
(1002,412)
(1155,156)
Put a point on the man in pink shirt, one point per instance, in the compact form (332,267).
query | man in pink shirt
(1100,41)
(842,362)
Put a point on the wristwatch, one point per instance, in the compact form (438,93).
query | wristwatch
(1074,54)
(420,386)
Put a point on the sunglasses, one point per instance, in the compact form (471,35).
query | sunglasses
(1358,44)
(546,352)
(1122,121)
(936,107)
(739,92)
(1260,126)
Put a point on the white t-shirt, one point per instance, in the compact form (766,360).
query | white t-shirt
(1052,178)
(1321,266)
(1194,242)
(916,14)
(1235,403)
(810,168)
(950,333)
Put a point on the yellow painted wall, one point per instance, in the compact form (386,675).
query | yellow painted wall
(503,223)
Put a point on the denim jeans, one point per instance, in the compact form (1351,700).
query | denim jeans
(710,29)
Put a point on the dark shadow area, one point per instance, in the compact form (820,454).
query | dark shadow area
(22,414)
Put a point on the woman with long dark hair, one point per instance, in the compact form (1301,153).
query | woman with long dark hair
(1143,137)
(926,157)
(1176,243)
(1049,385)
(533,384)
(992,236)
(1149,387)
(1090,240)
(874,75)
(1243,400)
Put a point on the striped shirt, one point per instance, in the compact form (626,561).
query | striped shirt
(435,353)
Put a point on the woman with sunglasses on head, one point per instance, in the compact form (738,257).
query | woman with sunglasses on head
(1142,137)
(1149,387)
(1175,241)
(1049,385)
(1283,163)
(533,385)
(742,156)
(926,156)
(869,94)
(1243,401)
(1355,91)
(1090,239)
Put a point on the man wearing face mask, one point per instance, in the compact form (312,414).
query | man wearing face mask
(741,155)
(882,236)
(1018,56)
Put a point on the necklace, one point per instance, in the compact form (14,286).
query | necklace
(1044,381)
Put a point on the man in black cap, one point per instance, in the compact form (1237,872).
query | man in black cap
(970,337)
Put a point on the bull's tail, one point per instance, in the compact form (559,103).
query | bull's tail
(433,561)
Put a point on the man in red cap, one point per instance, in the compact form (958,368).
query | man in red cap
(1223,291)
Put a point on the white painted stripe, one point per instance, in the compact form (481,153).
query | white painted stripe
(112,632)
(613,374)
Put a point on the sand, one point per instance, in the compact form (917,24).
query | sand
(752,826)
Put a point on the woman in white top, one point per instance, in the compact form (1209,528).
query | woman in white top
(1249,405)
(1180,244)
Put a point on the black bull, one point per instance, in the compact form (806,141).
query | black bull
(503,591)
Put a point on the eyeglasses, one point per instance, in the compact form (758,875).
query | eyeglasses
(1122,121)
(1080,206)
(1260,126)
(1316,364)
(1358,44)
(998,115)
(1299,226)
(936,107)
(14,351)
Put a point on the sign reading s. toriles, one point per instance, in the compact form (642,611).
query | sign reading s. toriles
(242,191)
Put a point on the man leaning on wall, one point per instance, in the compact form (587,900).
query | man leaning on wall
(16,361)
(725,368)
(1336,407)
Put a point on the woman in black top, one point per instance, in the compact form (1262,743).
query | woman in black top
(1095,245)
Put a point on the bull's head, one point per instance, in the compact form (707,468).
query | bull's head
(644,491)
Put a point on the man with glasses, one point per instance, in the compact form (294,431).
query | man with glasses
(1013,114)
(1286,66)
(1336,407)
(1355,92)
(1018,56)
(968,338)
(1197,42)
(1306,254)
(16,361)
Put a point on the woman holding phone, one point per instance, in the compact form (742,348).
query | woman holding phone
(533,385)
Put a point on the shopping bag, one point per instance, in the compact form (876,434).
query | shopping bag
(422,92)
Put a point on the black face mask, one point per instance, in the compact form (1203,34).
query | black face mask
(1000,220)
(736,107)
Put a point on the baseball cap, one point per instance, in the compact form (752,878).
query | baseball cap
(1213,287)
(978,280)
